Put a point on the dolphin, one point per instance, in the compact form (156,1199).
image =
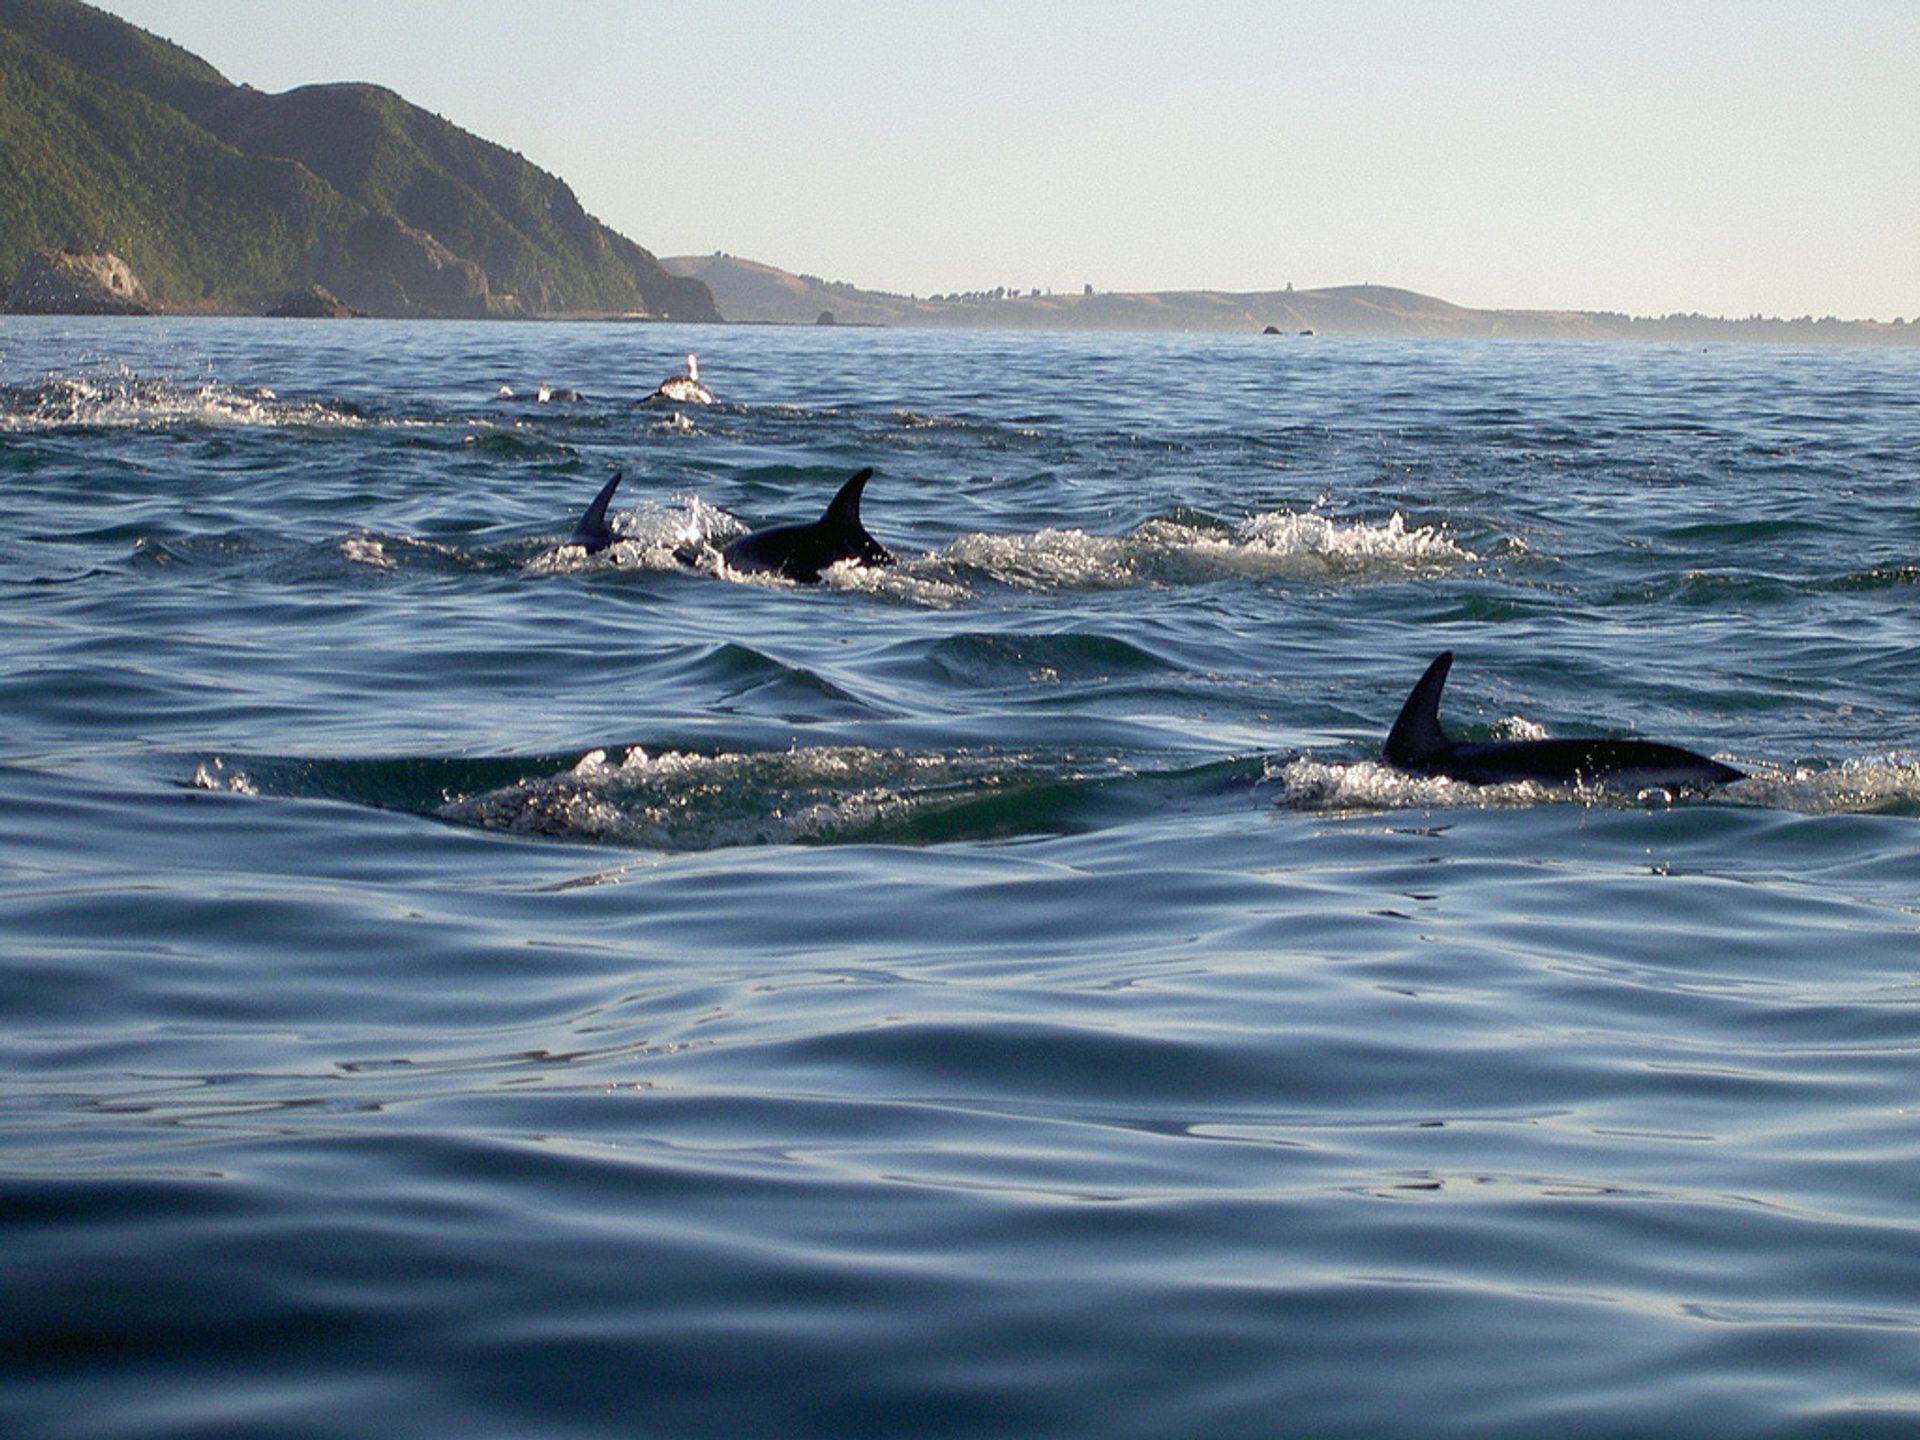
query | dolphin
(1418,744)
(593,534)
(801,552)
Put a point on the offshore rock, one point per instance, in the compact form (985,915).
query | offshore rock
(72,282)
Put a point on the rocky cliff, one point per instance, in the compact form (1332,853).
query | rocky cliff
(62,282)
(225,198)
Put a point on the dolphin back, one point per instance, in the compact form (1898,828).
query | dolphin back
(801,552)
(1417,743)
(1590,761)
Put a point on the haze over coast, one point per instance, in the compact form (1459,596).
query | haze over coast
(222,197)
(1642,158)
(753,292)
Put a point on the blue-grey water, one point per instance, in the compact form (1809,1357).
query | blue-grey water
(456,986)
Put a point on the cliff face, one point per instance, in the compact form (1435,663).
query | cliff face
(222,197)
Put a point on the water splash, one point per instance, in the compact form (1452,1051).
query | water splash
(651,536)
(1280,544)
(675,800)
(123,399)
(1853,787)
(684,801)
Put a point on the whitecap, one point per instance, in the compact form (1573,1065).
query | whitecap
(1857,786)
(1853,787)
(651,536)
(680,800)
(122,399)
(1280,544)
(1306,783)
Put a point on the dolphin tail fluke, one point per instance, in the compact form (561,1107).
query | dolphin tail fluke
(1416,736)
(593,534)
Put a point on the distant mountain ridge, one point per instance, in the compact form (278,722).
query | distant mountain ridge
(222,197)
(754,292)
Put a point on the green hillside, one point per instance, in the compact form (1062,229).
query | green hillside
(110,49)
(222,197)
(523,226)
(93,165)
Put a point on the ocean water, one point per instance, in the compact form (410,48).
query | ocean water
(457,986)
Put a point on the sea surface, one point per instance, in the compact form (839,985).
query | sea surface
(457,986)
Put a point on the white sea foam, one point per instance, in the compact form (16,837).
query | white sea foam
(213,774)
(364,549)
(1283,544)
(121,399)
(1050,559)
(919,580)
(652,536)
(677,800)
(690,533)
(1306,783)
(1861,786)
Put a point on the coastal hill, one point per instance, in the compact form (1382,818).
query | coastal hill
(750,291)
(222,198)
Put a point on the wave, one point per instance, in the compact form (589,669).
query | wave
(1167,553)
(1880,577)
(1016,661)
(677,800)
(683,800)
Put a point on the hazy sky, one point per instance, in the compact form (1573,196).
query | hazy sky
(1725,156)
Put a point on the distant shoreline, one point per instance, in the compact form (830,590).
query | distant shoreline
(751,291)
(1659,331)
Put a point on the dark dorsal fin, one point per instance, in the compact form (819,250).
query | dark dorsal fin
(1416,737)
(593,534)
(844,512)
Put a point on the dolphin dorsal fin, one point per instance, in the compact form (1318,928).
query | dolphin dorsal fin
(845,509)
(593,531)
(1416,736)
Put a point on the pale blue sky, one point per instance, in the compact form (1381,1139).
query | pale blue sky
(1726,156)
